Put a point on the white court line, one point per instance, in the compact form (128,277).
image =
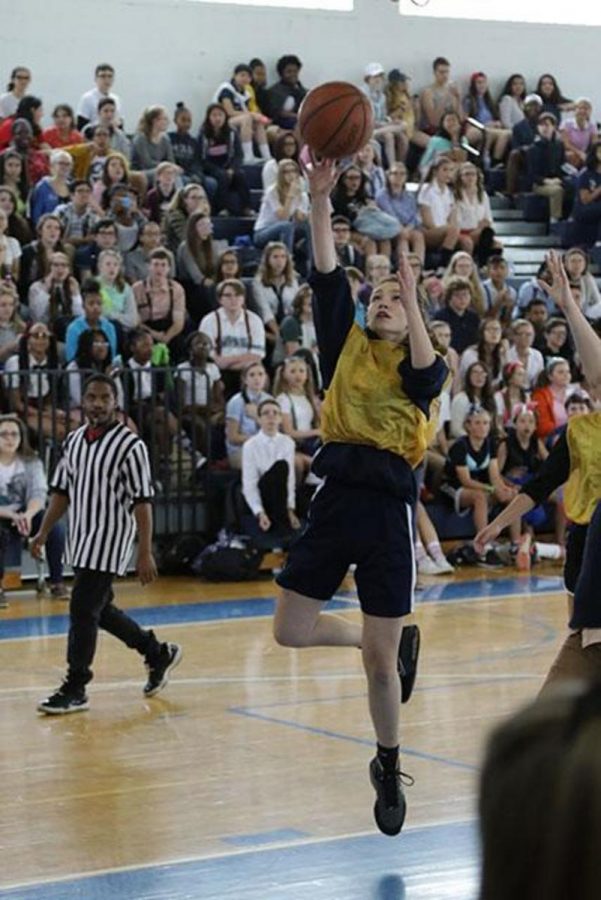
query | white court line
(242,851)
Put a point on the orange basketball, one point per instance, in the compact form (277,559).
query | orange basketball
(335,119)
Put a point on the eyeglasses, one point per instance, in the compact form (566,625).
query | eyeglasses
(10,434)
(40,335)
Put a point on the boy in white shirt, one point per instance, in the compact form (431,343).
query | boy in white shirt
(87,108)
(268,483)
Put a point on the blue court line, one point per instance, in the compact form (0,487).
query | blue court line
(433,861)
(256,607)
(278,836)
(365,742)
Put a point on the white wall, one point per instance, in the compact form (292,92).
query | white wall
(170,50)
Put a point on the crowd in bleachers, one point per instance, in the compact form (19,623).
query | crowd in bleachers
(174,256)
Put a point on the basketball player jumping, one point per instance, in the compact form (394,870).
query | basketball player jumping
(375,426)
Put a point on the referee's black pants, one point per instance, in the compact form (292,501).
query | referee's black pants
(92,608)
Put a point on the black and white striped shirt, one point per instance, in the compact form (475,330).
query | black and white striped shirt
(103,478)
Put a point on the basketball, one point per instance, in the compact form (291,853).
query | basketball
(335,119)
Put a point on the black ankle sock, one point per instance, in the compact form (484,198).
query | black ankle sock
(388,756)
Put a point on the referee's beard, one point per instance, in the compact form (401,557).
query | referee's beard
(100,418)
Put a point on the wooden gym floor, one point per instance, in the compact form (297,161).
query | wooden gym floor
(247,777)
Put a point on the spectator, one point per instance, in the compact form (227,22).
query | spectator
(461,265)
(186,151)
(87,108)
(538,315)
(346,252)
(438,98)
(286,95)
(30,379)
(545,159)
(472,476)
(521,350)
(161,195)
(118,301)
(369,161)
(522,136)
(221,155)
(284,210)
(233,98)
(553,100)
(24,493)
(116,172)
(10,252)
(297,332)
(489,350)
(30,109)
(162,302)
(54,189)
(401,108)
(77,215)
(391,135)
(556,342)
(274,287)
(436,205)
(91,318)
(151,145)
(500,297)
(136,260)
(238,335)
(474,215)
(285,146)
(295,393)
(241,420)
(189,199)
(511,101)
(104,237)
(228,266)
(126,215)
(514,392)
(200,393)
(18,227)
(34,161)
(576,264)
(477,392)
(536,289)
(350,199)
(13,174)
(35,259)
(257,89)
(196,264)
(11,325)
(89,158)
(55,299)
(587,206)
(579,133)
(449,141)
(268,483)
(479,105)
(397,201)
(550,395)
(93,355)
(108,118)
(63,133)
(18,84)
(463,321)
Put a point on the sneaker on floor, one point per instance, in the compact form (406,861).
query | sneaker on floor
(65,700)
(390,806)
(158,672)
(407,660)
(60,591)
(490,560)
(443,565)
(427,566)
(3,600)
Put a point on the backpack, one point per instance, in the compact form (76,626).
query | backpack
(230,558)
(177,555)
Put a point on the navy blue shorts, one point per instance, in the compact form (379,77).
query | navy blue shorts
(576,540)
(349,524)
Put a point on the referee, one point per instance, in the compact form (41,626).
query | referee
(104,478)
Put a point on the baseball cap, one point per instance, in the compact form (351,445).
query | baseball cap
(397,75)
(547,115)
(533,98)
(373,68)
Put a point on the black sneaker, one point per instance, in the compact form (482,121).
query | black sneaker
(158,672)
(407,660)
(3,600)
(65,700)
(490,560)
(390,806)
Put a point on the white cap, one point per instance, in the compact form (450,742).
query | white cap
(372,69)
(533,98)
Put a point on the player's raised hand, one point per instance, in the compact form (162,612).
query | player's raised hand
(559,286)
(406,280)
(321,174)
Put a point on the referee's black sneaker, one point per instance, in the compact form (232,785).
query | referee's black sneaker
(407,660)
(390,806)
(158,671)
(66,700)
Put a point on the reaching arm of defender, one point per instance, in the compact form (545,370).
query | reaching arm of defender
(518,507)
(587,342)
(321,177)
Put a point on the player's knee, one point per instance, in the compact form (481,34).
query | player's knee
(380,667)
(287,634)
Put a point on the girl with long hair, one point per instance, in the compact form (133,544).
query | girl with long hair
(196,265)
(56,298)
(18,226)
(474,215)
(35,260)
(462,265)
(295,392)
(189,199)
(285,146)
(53,189)
(11,324)
(477,391)
(234,99)
(118,301)
(284,211)
(241,421)
(63,133)
(13,174)
(513,392)
(397,201)
(479,105)
(150,145)
(10,252)
(221,155)
(18,83)
(436,205)
(115,170)
(511,101)
(489,350)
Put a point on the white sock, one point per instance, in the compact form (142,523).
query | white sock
(435,550)
(265,151)
(549,551)
(247,150)
(420,553)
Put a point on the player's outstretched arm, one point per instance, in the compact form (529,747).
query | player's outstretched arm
(518,507)
(321,177)
(587,342)
(422,351)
